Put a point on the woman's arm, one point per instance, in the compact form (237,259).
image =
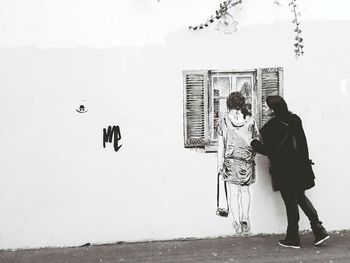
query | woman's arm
(259,147)
(254,130)
(257,143)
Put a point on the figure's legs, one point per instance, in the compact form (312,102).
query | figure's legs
(245,205)
(234,205)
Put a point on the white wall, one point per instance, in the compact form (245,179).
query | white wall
(60,187)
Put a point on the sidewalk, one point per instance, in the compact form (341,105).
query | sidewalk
(230,249)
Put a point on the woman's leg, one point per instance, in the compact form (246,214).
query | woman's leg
(319,231)
(245,206)
(234,205)
(290,200)
(308,208)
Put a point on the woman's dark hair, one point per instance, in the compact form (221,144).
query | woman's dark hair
(235,101)
(247,110)
(278,105)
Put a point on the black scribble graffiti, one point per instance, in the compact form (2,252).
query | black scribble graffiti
(82,109)
(109,134)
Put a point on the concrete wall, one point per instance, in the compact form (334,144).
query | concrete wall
(60,187)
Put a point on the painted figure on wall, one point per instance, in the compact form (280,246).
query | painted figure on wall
(216,122)
(235,157)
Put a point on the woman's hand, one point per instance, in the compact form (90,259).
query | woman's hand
(222,173)
(220,168)
(255,144)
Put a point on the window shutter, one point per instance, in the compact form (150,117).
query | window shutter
(195,103)
(270,81)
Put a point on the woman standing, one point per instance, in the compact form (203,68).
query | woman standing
(236,158)
(290,168)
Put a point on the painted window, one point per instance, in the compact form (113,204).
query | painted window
(205,93)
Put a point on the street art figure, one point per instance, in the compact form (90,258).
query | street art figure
(216,122)
(236,158)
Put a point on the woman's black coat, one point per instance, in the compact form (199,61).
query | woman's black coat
(284,142)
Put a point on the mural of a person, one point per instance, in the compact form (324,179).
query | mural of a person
(235,158)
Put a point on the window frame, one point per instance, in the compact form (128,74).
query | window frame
(210,141)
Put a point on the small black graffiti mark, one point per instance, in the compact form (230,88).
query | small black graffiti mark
(109,134)
(82,109)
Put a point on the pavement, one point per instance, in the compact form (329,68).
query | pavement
(263,248)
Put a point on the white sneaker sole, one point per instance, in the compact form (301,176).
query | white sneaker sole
(321,241)
(288,245)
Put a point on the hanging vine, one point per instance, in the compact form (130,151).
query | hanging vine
(227,24)
(299,41)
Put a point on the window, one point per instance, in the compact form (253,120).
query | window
(205,93)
